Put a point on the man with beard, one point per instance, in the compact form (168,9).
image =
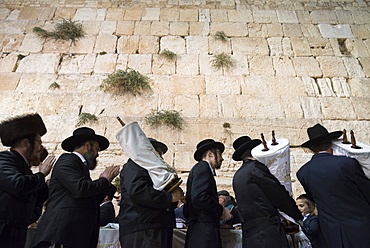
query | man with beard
(71,218)
(22,193)
(202,207)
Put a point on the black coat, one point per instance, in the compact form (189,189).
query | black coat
(259,194)
(142,206)
(22,193)
(107,214)
(72,212)
(311,230)
(202,207)
(342,194)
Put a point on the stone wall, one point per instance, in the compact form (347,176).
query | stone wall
(297,63)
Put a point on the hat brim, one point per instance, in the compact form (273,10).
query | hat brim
(161,145)
(70,143)
(199,152)
(332,136)
(241,149)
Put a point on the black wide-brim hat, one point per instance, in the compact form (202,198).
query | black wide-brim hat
(19,127)
(205,145)
(156,143)
(243,144)
(319,133)
(81,135)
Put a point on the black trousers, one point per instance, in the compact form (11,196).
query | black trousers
(160,237)
(12,236)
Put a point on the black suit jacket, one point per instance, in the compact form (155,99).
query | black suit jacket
(342,194)
(107,214)
(72,212)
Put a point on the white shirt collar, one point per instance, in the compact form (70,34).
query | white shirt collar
(80,156)
(213,172)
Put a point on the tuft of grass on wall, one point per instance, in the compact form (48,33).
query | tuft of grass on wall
(54,86)
(220,35)
(169,118)
(167,54)
(222,61)
(86,118)
(126,81)
(226,125)
(65,30)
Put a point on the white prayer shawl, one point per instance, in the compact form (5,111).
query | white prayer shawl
(138,147)
(361,155)
(277,160)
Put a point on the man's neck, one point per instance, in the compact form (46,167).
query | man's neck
(22,152)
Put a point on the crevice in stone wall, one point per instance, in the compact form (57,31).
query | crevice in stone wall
(342,47)
(20,57)
(80,109)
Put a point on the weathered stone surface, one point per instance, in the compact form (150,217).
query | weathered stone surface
(365,64)
(218,15)
(39,63)
(361,16)
(133,14)
(325,87)
(310,30)
(187,85)
(240,66)
(240,15)
(72,83)
(142,28)
(122,62)
(84,45)
(287,16)
(125,28)
(341,87)
(292,107)
(188,15)
(323,16)
(250,46)
(174,44)
(205,65)
(105,43)
(4,13)
(91,27)
(10,27)
(208,106)
(292,30)
(35,82)
(356,47)
(128,44)
(85,14)
(32,43)
(334,108)
(187,105)
(179,28)
(46,13)
(114,14)
(223,85)
(332,66)
(197,45)
(160,28)
(151,14)
(163,66)
(56,46)
(261,65)
(29,13)
(148,44)
(256,86)
(275,46)
(8,62)
(274,30)
(311,87)
(278,86)
(169,14)
(78,64)
(140,62)
(335,31)
(264,16)
(218,46)
(8,82)
(283,66)
(311,107)
(108,27)
(320,47)
(307,66)
(64,13)
(204,15)
(360,87)
(199,28)
(187,64)
(105,63)
(360,31)
(258,106)
(11,43)
(353,67)
(257,30)
(344,16)
(230,29)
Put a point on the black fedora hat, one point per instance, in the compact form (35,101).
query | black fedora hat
(156,143)
(205,145)
(318,133)
(81,135)
(243,144)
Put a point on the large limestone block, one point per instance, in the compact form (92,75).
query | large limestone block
(148,44)
(4,13)
(307,67)
(218,46)
(360,31)
(187,64)
(199,28)
(35,82)
(310,30)
(151,14)
(230,29)
(197,45)
(218,85)
(287,16)
(332,66)
(142,28)
(10,27)
(163,66)
(204,15)
(356,47)
(287,47)
(9,100)
(85,14)
(360,87)
(46,13)
(278,86)
(29,13)
(169,15)
(187,85)
(160,28)
(275,46)
(105,63)
(187,105)
(323,16)
(160,84)
(283,66)
(11,43)
(365,64)
(71,83)
(8,82)
(14,15)
(320,47)
(56,46)
(205,65)
(312,89)
(140,62)
(240,66)
(8,62)
(122,62)
(208,106)
(292,30)
(179,28)
(292,107)
(114,14)
(32,43)
(256,85)
(336,31)
(91,27)
(125,28)
(353,67)
(174,44)
(218,15)
(341,87)
(100,14)
(264,16)
(35,23)
(105,43)
(259,107)
(140,105)
(39,63)
(250,46)
(64,13)
(311,107)
(227,107)
(361,16)
(241,14)
(188,15)
(83,45)
(274,30)
(108,27)
(128,44)
(261,65)
(335,108)
(78,64)
(344,16)
(325,87)
(257,30)
(133,14)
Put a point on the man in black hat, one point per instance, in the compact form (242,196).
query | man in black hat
(202,206)
(146,215)
(259,195)
(22,193)
(340,189)
(71,218)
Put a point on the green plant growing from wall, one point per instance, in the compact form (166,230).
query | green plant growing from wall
(85,118)
(21,56)
(167,54)
(220,35)
(103,53)
(223,61)
(54,86)
(126,81)
(65,30)
(226,125)
(169,118)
